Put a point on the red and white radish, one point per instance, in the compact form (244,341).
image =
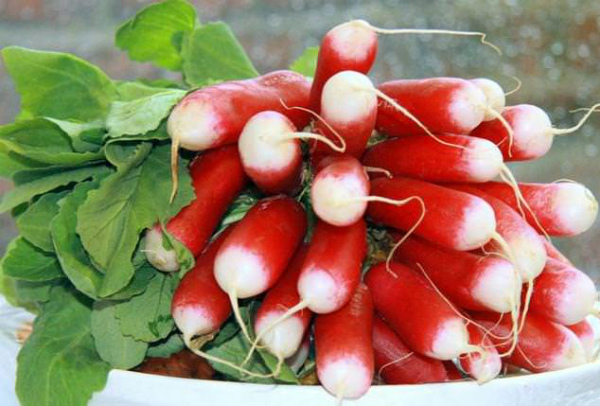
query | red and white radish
(397,364)
(494,96)
(284,338)
(256,253)
(532,132)
(297,360)
(416,312)
(427,159)
(468,280)
(454,374)
(199,306)
(563,293)
(543,345)
(340,191)
(347,109)
(587,336)
(215,115)
(344,348)
(348,46)
(217,177)
(525,244)
(453,219)
(270,150)
(331,271)
(560,209)
(485,365)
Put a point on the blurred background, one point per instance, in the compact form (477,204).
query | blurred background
(553,46)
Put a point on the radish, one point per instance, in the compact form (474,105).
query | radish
(555,254)
(217,177)
(587,336)
(349,110)
(427,159)
(397,364)
(454,374)
(524,243)
(331,270)
(441,105)
(344,349)
(453,220)
(215,115)
(532,132)
(340,191)
(284,338)
(420,317)
(468,280)
(199,306)
(255,254)
(297,360)
(543,346)
(483,366)
(560,209)
(494,96)
(348,46)
(271,154)
(563,293)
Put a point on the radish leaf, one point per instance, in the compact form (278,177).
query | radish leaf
(26,262)
(213,53)
(34,223)
(59,365)
(306,64)
(151,35)
(58,85)
(113,347)
(166,347)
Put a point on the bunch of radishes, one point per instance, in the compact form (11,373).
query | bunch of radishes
(472,278)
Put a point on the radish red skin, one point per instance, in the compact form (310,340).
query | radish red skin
(443,105)
(470,281)
(331,271)
(413,369)
(543,346)
(453,372)
(562,209)
(199,305)
(563,293)
(427,159)
(256,253)
(416,312)
(344,348)
(336,54)
(217,177)
(215,115)
(284,295)
(453,219)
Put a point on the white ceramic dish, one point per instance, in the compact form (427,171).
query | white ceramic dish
(572,387)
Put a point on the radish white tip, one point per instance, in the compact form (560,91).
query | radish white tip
(529,254)
(343,99)
(484,160)
(494,96)
(478,226)
(193,122)
(451,340)
(497,286)
(468,106)
(347,378)
(283,339)
(575,206)
(240,271)
(333,199)
(319,291)
(161,258)
(577,300)
(192,321)
(533,133)
(571,353)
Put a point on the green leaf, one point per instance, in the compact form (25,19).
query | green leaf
(166,347)
(152,34)
(73,259)
(58,365)
(26,262)
(113,347)
(226,333)
(58,85)
(141,115)
(139,283)
(43,141)
(238,209)
(160,134)
(85,137)
(306,64)
(10,162)
(134,198)
(130,91)
(33,182)
(147,317)
(212,53)
(185,258)
(34,223)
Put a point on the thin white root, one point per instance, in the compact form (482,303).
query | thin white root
(510,132)
(566,131)
(516,89)
(394,362)
(388,260)
(318,137)
(238,316)
(482,35)
(373,169)
(174,168)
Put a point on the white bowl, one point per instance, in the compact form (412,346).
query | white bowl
(571,387)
